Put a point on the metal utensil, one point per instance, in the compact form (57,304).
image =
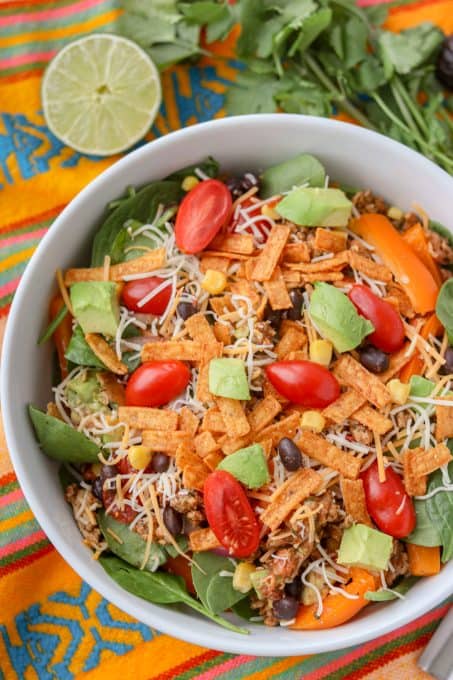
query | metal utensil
(437,658)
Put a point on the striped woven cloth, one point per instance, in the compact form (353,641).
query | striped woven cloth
(52,625)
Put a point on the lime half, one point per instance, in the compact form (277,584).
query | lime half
(100,94)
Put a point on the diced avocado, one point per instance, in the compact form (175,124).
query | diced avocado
(315,207)
(302,169)
(248,465)
(364,547)
(257,579)
(420,387)
(84,390)
(227,378)
(337,318)
(95,306)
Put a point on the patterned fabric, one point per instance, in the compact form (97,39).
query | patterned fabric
(52,625)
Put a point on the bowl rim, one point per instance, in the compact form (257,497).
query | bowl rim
(323,641)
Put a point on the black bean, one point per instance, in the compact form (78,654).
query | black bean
(447,368)
(160,462)
(286,608)
(294,588)
(239,185)
(185,310)
(294,313)
(374,359)
(444,70)
(274,316)
(96,488)
(172,520)
(289,454)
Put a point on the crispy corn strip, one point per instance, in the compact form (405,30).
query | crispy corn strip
(241,244)
(144,418)
(162,440)
(287,427)
(155,259)
(114,389)
(415,486)
(368,416)
(267,260)
(203,539)
(296,252)
(444,425)
(330,241)
(342,408)
(350,372)
(264,413)
(222,333)
(234,417)
(213,459)
(292,339)
(322,276)
(354,500)
(215,262)
(188,421)
(289,496)
(246,288)
(205,443)
(315,446)
(276,291)
(105,353)
(213,421)
(397,361)
(335,263)
(370,268)
(184,350)
(232,444)
(423,462)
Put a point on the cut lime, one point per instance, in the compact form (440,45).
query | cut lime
(100,94)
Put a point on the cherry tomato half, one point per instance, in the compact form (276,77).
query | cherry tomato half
(261,227)
(155,383)
(304,383)
(389,330)
(201,215)
(388,504)
(134,291)
(230,514)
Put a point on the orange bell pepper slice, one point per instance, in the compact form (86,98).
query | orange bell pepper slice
(408,269)
(432,326)
(415,236)
(336,608)
(62,334)
(423,561)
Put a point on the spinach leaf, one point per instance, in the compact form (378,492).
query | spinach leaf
(80,353)
(183,545)
(142,207)
(384,595)
(66,477)
(61,441)
(53,325)
(131,361)
(301,169)
(159,588)
(442,231)
(210,167)
(215,591)
(444,307)
(426,532)
(244,609)
(130,547)
(440,511)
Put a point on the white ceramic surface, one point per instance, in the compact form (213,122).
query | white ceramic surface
(351,154)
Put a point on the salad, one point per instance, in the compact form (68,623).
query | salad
(252,403)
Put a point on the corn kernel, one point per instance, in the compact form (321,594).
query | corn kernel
(139,457)
(268,211)
(321,352)
(395,213)
(214,282)
(399,391)
(189,183)
(241,579)
(312,420)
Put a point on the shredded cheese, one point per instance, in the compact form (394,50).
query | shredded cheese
(380,457)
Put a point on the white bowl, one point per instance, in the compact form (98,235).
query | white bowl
(352,155)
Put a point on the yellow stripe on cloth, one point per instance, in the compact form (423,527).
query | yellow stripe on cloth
(17,258)
(15,521)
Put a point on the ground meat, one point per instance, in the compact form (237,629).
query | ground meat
(333,535)
(399,562)
(330,510)
(265,609)
(440,248)
(361,434)
(409,220)
(367,202)
(186,501)
(84,505)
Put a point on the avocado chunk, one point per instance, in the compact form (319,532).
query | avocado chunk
(257,579)
(227,378)
(248,465)
(95,306)
(337,318)
(302,169)
(364,547)
(84,390)
(315,207)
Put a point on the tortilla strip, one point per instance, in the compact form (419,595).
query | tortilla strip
(415,486)
(205,443)
(221,304)
(296,252)
(372,419)
(162,440)
(347,403)
(234,417)
(230,445)
(292,339)
(222,333)
(291,277)
(286,427)
(213,459)
(264,413)
(241,244)
(299,486)
(155,259)
(114,389)
(330,241)
(350,372)
(354,500)
(322,276)
(203,539)
(105,353)
(315,446)
(276,291)
(379,272)
(188,421)
(215,262)
(335,263)
(397,361)
(246,288)
(405,305)
(267,260)
(145,418)
(195,477)
(421,462)
(298,355)
(444,425)
(184,350)
(213,421)
(200,330)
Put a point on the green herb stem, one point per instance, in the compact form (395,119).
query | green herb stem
(402,90)
(53,325)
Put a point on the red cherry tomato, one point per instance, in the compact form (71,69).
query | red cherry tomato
(134,291)
(201,215)
(304,383)
(388,504)
(262,225)
(389,330)
(155,383)
(230,514)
